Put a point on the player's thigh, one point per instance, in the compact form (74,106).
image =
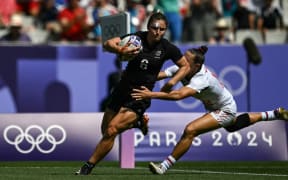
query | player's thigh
(203,124)
(124,119)
(107,117)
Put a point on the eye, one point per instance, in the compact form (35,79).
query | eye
(156,28)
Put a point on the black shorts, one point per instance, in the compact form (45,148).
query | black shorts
(121,97)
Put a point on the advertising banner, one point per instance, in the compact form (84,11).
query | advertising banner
(54,136)
(73,136)
(262,141)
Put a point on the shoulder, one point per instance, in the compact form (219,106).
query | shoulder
(198,82)
(201,76)
(171,50)
(169,46)
(141,34)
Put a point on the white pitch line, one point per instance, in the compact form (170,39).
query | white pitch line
(172,170)
(222,172)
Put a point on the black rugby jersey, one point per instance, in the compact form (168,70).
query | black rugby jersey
(144,68)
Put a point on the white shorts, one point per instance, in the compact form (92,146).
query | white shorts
(225,117)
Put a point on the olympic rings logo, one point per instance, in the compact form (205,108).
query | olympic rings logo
(34,135)
(223,76)
(111,30)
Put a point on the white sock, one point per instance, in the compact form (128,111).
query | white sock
(268,115)
(169,162)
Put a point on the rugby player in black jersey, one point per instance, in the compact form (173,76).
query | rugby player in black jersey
(122,111)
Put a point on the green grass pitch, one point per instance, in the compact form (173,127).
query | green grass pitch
(47,170)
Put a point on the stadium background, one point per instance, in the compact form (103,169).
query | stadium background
(64,85)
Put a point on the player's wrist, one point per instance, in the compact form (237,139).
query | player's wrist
(121,50)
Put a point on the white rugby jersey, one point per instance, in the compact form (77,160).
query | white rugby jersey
(211,91)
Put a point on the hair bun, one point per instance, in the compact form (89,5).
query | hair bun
(203,49)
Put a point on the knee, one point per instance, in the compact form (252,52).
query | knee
(111,131)
(103,129)
(190,132)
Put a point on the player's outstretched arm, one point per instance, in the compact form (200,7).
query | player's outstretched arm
(145,93)
(184,69)
(161,75)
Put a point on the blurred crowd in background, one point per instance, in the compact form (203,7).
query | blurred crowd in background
(190,21)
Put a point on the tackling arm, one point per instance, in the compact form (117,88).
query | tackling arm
(145,93)
(161,75)
(181,73)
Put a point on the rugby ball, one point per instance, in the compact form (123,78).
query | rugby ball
(135,41)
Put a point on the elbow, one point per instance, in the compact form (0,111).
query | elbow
(106,45)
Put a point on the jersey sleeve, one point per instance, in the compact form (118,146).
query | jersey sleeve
(173,52)
(198,83)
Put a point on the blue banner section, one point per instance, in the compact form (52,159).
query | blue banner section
(75,78)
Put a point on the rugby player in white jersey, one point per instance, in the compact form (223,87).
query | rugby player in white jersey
(221,107)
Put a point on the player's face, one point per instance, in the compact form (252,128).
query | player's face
(194,67)
(156,30)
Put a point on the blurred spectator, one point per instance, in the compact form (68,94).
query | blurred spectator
(28,7)
(193,22)
(243,18)
(73,23)
(15,31)
(137,13)
(47,19)
(222,33)
(171,9)
(7,8)
(150,8)
(100,8)
(255,6)
(184,7)
(212,15)
(228,7)
(271,18)
(186,14)
(202,20)
(60,4)
(84,3)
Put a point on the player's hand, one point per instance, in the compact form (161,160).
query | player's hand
(146,118)
(128,50)
(139,94)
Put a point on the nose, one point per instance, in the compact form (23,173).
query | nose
(157,29)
